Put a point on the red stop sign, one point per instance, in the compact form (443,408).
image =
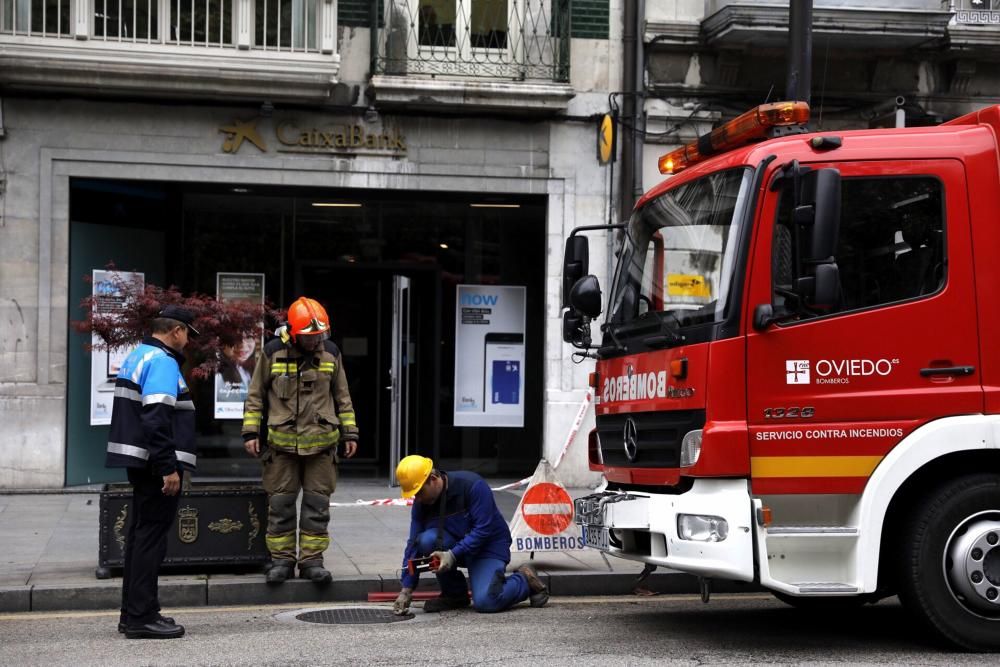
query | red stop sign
(547,508)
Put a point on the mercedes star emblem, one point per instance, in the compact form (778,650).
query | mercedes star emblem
(631,438)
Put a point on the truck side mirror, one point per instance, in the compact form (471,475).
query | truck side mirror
(818,210)
(826,295)
(576,261)
(585,296)
(575,330)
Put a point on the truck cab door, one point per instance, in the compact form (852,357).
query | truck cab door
(831,392)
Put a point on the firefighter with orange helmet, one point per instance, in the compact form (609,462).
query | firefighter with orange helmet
(298,403)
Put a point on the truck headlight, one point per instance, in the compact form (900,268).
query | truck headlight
(702,527)
(690,448)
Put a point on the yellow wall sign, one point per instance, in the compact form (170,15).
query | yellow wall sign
(682,284)
(606,139)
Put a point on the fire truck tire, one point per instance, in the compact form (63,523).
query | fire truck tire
(829,603)
(950,562)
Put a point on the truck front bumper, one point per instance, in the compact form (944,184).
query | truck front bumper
(662,529)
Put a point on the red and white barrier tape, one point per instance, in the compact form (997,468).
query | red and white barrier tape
(395,502)
(406,502)
(577,423)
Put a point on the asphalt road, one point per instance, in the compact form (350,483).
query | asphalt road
(578,631)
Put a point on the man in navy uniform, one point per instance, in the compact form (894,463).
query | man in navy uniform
(152,436)
(456,522)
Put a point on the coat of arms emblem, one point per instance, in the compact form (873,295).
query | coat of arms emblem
(187,525)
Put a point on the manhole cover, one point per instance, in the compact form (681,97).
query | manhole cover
(348,615)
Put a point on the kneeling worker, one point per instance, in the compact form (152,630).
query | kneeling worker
(455,521)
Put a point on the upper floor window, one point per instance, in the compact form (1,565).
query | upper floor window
(516,40)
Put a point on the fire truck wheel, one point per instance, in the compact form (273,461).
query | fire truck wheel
(830,603)
(951,562)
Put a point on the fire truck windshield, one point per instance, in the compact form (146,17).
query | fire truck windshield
(677,256)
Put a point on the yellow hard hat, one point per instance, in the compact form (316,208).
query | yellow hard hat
(412,472)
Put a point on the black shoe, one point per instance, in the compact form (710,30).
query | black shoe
(316,573)
(154,630)
(159,619)
(442,603)
(278,574)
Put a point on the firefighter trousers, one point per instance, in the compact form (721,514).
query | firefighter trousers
(284,475)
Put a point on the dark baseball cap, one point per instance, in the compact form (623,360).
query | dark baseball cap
(180,314)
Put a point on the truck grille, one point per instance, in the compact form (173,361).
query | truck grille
(657,437)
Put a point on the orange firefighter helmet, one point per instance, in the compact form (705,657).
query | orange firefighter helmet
(307,318)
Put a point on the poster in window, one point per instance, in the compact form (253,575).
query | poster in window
(109,299)
(237,362)
(489,356)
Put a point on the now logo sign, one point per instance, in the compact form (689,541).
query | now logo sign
(480,299)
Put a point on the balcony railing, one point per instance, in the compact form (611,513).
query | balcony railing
(518,40)
(977,12)
(303,26)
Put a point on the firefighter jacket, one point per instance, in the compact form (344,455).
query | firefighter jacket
(466,511)
(301,398)
(152,417)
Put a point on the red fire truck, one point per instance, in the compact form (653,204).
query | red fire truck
(798,369)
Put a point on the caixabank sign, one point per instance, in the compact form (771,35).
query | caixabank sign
(293,135)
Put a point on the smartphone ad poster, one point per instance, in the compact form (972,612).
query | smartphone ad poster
(489,355)
(104,364)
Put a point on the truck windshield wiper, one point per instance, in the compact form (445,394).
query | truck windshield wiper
(669,332)
(616,345)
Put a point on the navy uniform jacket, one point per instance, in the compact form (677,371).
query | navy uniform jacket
(152,418)
(471,518)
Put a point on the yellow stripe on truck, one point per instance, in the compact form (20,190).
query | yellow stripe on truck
(813,466)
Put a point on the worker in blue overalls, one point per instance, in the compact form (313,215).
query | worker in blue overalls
(456,523)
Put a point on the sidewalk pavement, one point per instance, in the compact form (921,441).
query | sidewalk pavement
(50,546)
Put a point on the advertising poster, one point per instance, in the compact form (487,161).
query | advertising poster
(489,356)
(104,364)
(233,377)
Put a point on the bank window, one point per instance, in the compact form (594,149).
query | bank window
(891,245)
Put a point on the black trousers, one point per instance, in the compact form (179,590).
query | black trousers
(145,546)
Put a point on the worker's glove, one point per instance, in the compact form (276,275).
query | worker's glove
(402,604)
(446,561)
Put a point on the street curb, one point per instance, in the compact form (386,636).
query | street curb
(251,590)
(15,598)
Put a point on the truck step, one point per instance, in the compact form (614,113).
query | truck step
(845,531)
(825,587)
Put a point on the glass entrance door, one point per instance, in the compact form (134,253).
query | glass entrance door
(399,375)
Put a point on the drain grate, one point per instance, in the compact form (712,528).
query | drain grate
(348,615)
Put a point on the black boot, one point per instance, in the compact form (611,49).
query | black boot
(278,573)
(315,573)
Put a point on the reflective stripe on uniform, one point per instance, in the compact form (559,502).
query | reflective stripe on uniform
(302,441)
(283,367)
(185,405)
(185,457)
(283,542)
(128,450)
(137,373)
(130,394)
(167,399)
(326,367)
(347,419)
(315,543)
(252,419)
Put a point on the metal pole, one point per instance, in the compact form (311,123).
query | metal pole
(799,81)
(639,110)
(629,65)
